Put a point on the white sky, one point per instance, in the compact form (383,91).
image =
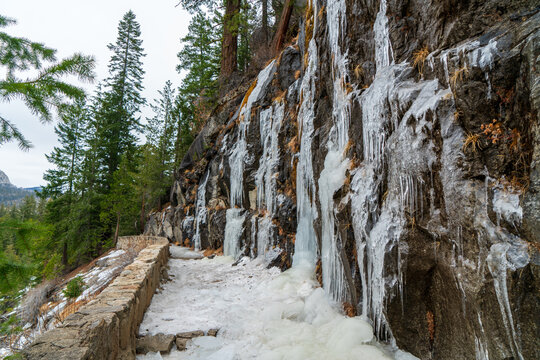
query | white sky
(71,26)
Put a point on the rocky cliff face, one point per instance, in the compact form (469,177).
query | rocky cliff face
(395,147)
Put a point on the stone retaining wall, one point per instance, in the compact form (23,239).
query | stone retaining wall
(105,328)
(137,243)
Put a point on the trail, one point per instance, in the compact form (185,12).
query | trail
(261,313)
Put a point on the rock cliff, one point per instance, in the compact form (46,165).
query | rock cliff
(395,147)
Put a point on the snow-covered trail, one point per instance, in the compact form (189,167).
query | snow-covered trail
(261,313)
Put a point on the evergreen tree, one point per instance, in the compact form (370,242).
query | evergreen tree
(67,158)
(229,31)
(116,113)
(121,201)
(116,127)
(184,129)
(246,26)
(41,92)
(155,172)
(200,57)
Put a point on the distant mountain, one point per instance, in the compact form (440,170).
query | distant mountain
(4,178)
(35,188)
(10,193)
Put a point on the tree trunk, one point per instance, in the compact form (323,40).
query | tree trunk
(283,26)
(265,20)
(142,213)
(117,229)
(230,39)
(65,254)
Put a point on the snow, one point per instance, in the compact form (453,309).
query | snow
(261,314)
(179,252)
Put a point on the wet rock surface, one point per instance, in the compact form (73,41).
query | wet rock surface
(435,220)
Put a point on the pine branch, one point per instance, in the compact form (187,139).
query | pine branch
(9,132)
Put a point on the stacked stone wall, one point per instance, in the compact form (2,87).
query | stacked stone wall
(106,327)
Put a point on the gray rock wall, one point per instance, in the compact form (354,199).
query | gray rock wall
(434,233)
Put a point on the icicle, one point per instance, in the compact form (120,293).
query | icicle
(383,48)
(332,176)
(498,265)
(265,181)
(200,210)
(239,151)
(233,231)
(237,158)
(305,246)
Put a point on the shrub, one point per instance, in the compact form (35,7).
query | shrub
(32,301)
(74,288)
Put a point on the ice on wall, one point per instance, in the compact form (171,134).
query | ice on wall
(336,164)
(233,231)
(238,153)
(265,177)
(305,246)
(237,158)
(200,215)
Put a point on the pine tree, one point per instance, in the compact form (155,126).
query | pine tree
(116,113)
(229,31)
(156,168)
(40,93)
(246,21)
(121,201)
(61,180)
(200,57)
(116,126)
(67,158)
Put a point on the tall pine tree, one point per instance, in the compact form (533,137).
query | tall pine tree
(67,158)
(62,180)
(156,168)
(116,119)
(116,122)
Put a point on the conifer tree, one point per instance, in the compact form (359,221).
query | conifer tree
(116,125)
(155,173)
(40,93)
(229,31)
(67,158)
(116,116)
(121,201)
(200,57)
(61,181)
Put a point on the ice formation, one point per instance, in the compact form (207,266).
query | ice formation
(200,212)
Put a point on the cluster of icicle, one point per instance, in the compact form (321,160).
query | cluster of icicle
(392,150)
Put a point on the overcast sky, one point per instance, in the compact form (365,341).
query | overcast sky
(85,26)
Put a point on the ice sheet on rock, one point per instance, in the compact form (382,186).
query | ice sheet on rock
(305,246)
(336,164)
(261,314)
(506,205)
(233,231)
(239,153)
(200,211)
